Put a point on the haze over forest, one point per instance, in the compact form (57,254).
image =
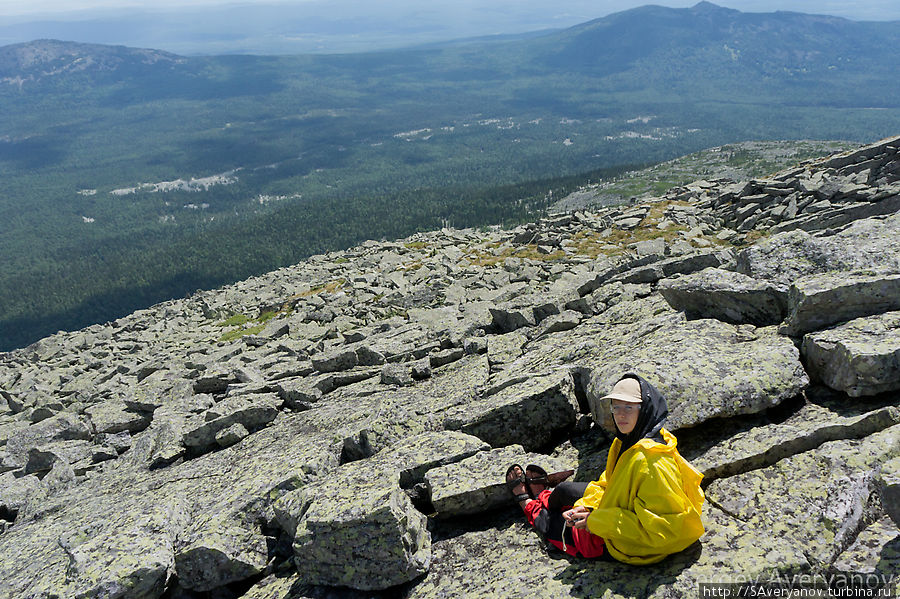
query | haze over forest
(134,176)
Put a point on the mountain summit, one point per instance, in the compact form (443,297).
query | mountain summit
(43,59)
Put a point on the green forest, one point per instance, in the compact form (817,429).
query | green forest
(145,176)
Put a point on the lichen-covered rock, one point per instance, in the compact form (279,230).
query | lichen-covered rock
(502,349)
(672,266)
(874,557)
(216,550)
(785,257)
(251,411)
(416,455)
(477,484)
(889,486)
(810,427)
(818,301)
(530,413)
(131,559)
(14,492)
(355,530)
(161,443)
(343,358)
(705,369)
(63,427)
(286,585)
(725,295)
(860,357)
(115,417)
(42,459)
(816,500)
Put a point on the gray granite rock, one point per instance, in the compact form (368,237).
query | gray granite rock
(63,427)
(873,558)
(808,428)
(355,530)
(785,257)
(41,459)
(476,484)
(250,411)
(705,368)
(115,417)
(860,357)
(530,413)
(815,500)
(725,295)
(818,301)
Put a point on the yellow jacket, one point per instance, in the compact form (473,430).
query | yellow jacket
(647,505)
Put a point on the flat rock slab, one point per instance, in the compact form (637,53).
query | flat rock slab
(115,417)
(62,427)
(477,484)
(876,551)
(504,558)
(123,548)
(819,301)
(199,519)
(809,428)
(530,413)
(725,295)
(860,357)
(14,491)
(816,500)
(355,530)
(705,368)
(416,455)
(672,266)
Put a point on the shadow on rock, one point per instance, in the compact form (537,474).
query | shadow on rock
(607,577)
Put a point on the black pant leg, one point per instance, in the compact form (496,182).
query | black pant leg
(565,495)
(550,522)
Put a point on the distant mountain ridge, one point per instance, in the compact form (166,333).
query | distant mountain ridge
(47,58)
(674,47)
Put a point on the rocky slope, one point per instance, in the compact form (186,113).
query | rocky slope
(340,428)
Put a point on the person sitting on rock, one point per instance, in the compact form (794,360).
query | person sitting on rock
(645,506)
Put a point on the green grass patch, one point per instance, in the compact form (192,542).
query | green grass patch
(238,333)
(236,320)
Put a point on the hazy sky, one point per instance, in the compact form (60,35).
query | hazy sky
(211,27)
(854,9)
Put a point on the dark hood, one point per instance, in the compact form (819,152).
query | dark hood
(652,418)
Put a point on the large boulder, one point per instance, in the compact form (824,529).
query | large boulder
(356,528)
(530,413)
(785,257)
(810,427)
(63,427)
(705,368)
(873,558)
(251,411)
(476,484)
(860,357)
(818,301)
(725,295)
(115,417)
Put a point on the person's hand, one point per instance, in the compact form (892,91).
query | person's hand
(577,517)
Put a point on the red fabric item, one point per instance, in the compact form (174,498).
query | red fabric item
(585,544)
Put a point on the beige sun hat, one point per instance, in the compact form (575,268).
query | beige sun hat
(628,389)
